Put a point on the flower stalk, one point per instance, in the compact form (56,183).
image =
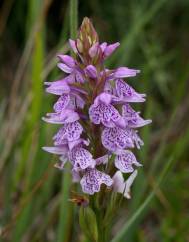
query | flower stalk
(98,128)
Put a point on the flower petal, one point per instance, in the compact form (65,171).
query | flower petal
(116,139)
(127,93)
(68,60)
(81,158)
(91,71)
(64,68)
(104,97)
(62,103)
(102,160)
(67,116)
(93,179)
(121,186)
(105,114)
(57,87)
(103,46)
(70,132)
(133,118)
(79,142)
(110,49)
(59,150)
(79,77)
(122,72)
(73,46)
(125,161)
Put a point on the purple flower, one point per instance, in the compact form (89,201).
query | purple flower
(68,102)
(79,142)
(93,179)
(61,87)
(58,150)
(69,66)
(58,87)
(68,116)
(136,139)
(68,60)
(133,118)
(126,93)
(125,161)
(81,158)
(116,139)
(97,124)
(70,132)
(103,112)
(62,103)
(107,50)
(123,72)
(110,49)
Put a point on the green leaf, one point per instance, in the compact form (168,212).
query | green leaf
(88,223)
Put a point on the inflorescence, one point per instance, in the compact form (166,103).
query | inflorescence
(98,125)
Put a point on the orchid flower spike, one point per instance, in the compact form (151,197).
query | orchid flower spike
(95,114)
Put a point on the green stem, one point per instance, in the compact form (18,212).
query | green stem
(73,18)
(100,214)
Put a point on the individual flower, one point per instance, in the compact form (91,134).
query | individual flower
(126,93)
(93,179)
(81,158)
(103,112)
(70,132)
(69,66)
(116,139)
(67,116)
(133,118)
(125,161)
(121,186)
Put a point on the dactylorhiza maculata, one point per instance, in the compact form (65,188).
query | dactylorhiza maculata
(98,126)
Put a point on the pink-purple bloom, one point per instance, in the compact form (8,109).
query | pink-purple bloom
(93,179)
(96,117)
(103,112)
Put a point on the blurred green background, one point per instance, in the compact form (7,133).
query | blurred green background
(154,37)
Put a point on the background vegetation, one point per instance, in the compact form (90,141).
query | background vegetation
(34,196)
